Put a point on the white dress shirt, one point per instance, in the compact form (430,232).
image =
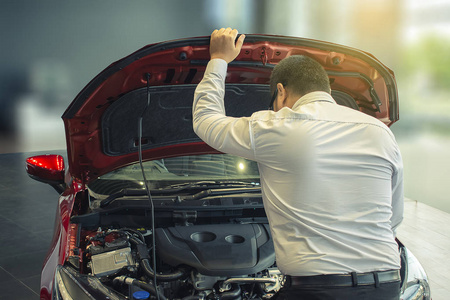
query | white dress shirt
(331,177)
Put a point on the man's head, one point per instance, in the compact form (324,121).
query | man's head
(296,76)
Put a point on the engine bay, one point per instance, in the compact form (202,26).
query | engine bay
(214,261)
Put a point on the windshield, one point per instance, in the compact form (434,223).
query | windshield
(178,170)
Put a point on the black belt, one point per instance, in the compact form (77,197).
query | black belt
(350,279)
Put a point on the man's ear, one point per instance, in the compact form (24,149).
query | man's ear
(281,97)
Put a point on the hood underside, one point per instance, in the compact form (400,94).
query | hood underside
(102,123)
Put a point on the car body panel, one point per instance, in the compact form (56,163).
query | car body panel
(59,246)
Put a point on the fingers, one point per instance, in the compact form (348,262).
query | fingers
(223,44)
(233,33)
(222,31)
(240,42)
(225,32)
(228,33)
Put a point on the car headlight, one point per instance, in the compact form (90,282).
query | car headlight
(419,290)
(59,289)
(70,285)
(66,287)
(415,286)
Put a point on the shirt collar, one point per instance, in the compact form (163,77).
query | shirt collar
(313,97)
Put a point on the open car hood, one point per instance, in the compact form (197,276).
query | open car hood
(102,123)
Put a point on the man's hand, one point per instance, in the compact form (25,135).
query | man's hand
(223,44)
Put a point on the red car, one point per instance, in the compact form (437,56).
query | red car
(147,210)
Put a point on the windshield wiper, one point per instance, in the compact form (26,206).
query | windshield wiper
(123,193)
(209,188)
(220,192)
(204,184)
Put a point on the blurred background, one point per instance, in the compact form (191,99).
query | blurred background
(51,49)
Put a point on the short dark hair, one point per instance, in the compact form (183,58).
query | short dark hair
(300,74)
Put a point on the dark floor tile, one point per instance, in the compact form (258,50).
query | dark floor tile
(10,230)
(33,211)
(45,237)
(17,291)
(24,243)
(23,266)
(33,282)
(4,275)
(36,224)
(10,197)
(40,193)
(12,200)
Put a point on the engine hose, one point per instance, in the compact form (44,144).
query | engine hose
(135,241)
(143,285)
(178,274)
(233,294)
(145,263)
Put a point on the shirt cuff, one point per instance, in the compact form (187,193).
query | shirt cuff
(218,66)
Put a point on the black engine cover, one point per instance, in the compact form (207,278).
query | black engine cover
(217,250)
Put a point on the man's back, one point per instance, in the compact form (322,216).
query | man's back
(326,172)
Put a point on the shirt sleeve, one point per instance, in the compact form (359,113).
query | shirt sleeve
(397,193)
(226,134)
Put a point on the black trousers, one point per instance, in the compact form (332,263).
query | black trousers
(385,291)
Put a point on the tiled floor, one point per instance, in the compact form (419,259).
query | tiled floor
(27,210)
(426,232)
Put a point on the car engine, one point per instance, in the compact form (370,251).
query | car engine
(214,261)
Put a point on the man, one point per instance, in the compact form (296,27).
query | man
(331,176)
